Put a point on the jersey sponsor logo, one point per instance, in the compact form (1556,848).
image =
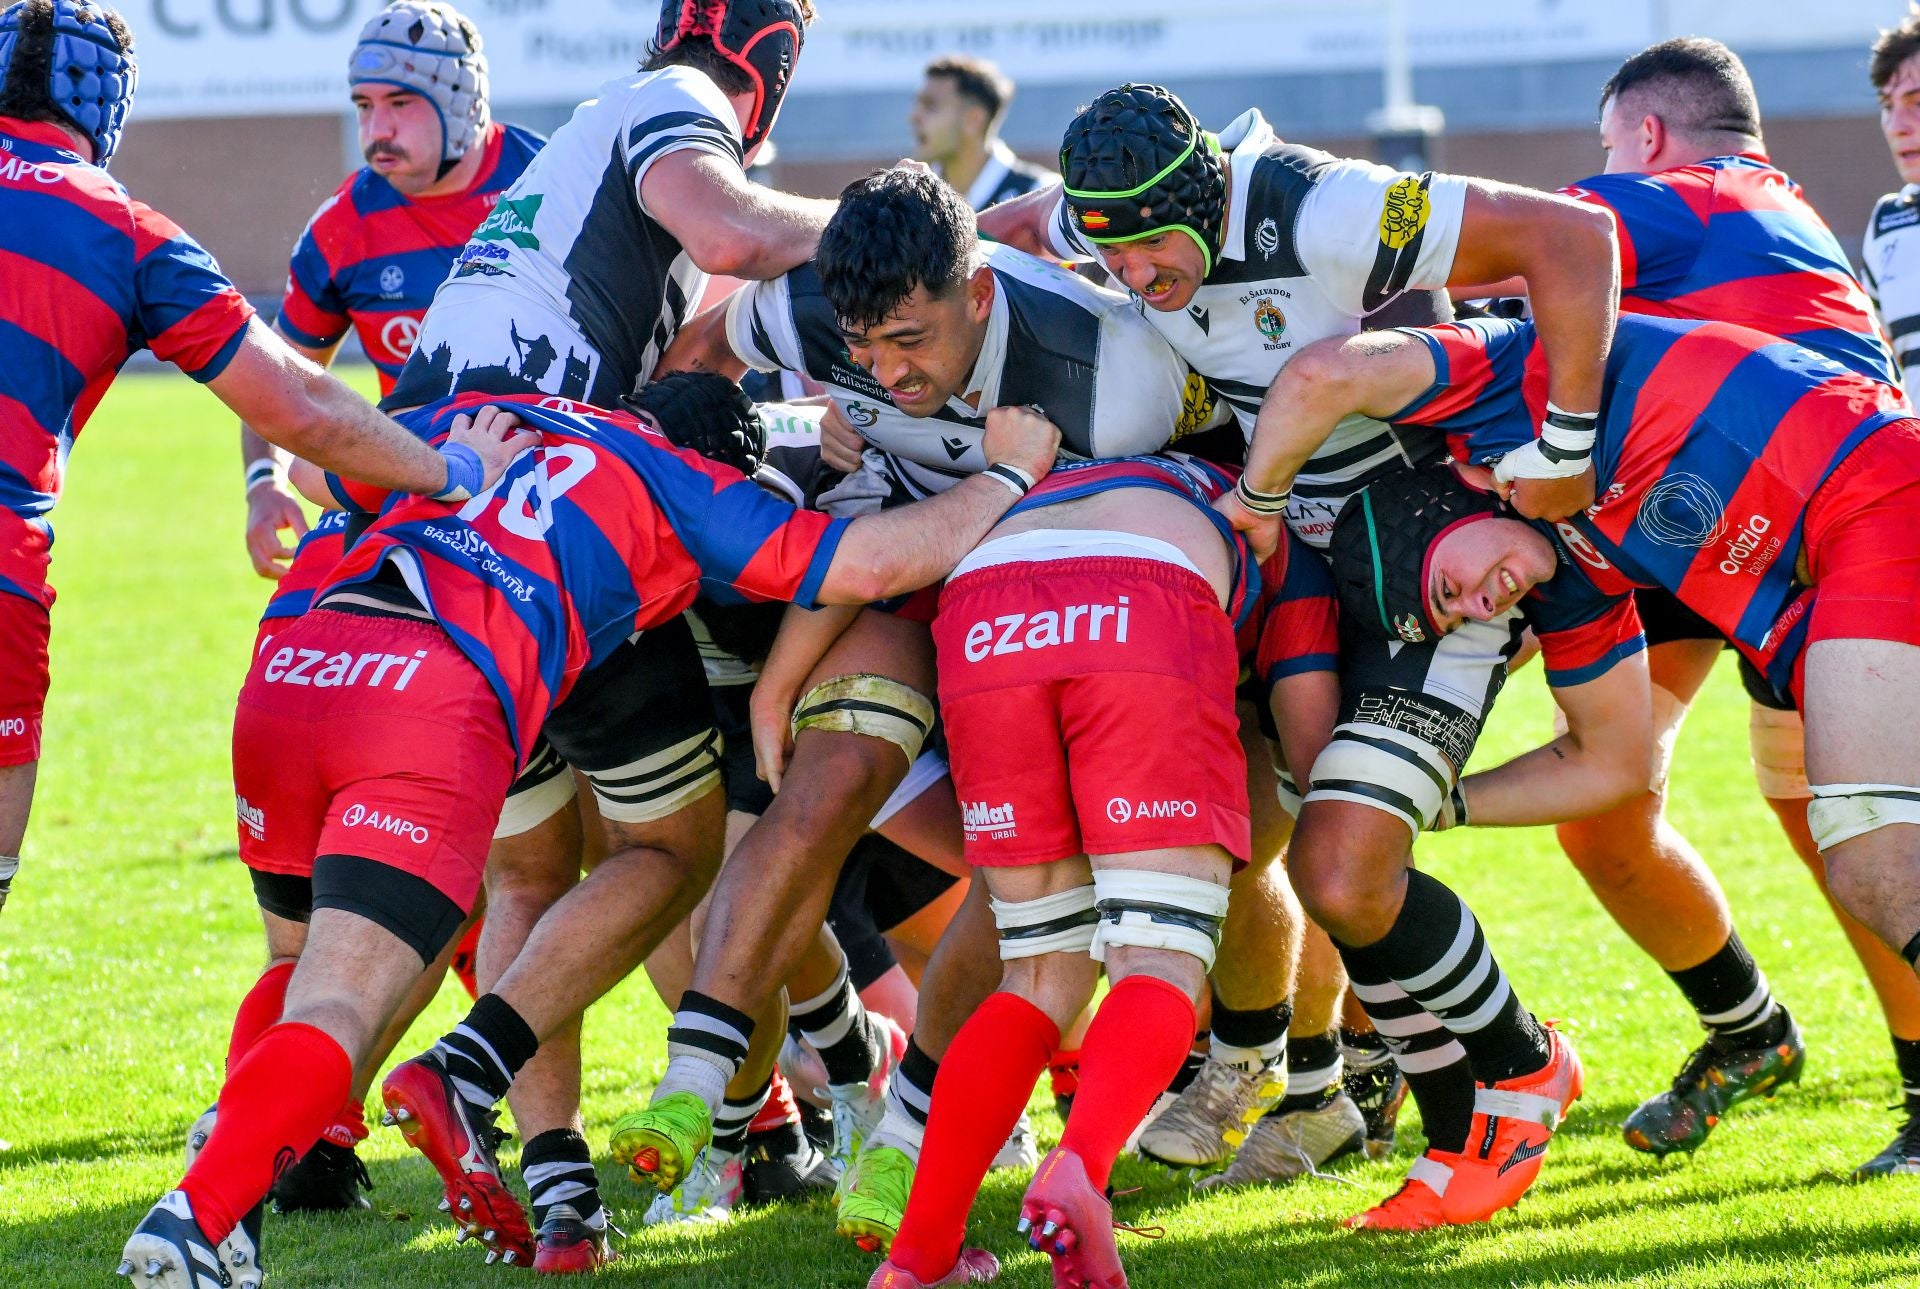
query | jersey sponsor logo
(1196,406)
(13,727)
(1019,632)
(1576,541)
(1122,811)
(251,817)
(358,816)
(1404,212)
(290,666)
(392,279)
(1898,215)
(1750,550)
(1266,238)
(512,221)
(1682,510)
(483,258)
(18,170)
(400,335)
(996,822)
(861,417)
(1272,324)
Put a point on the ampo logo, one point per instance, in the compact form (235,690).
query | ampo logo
(401,334)
(358,816)
(1682,510)
(1119,810)
(13,727)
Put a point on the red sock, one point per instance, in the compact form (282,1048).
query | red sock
(349,1127)
(466,958)
(289,1086)
(983,1085)
(780,1110)
(259,1010)
(1063,1072)
(1132,1050)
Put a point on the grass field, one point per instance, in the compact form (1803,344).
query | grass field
(132,933)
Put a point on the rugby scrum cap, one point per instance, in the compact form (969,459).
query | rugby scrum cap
(433,50)
(92,73)
(1136,162)
(760,37)
(1383,543)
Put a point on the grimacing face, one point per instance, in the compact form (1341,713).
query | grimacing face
(1479,570)
(1164,268)
(924,351)
(399,136)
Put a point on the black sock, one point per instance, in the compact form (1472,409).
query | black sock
(1430,1059)
(849,1041)
(1906,1054)
(484,1052)
(1260,1033)
(1314,1068)
(558,1169)
(910,1090)
(1730,995)
(1912,952)
(735,1117)
(1185,1074)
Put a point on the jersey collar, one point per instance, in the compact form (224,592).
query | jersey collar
(999,165)
(44,133)
(1245,140)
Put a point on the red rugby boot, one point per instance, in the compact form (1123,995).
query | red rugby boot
(974,1267)
(1419,1203)
(1065,1216)
(461,1146)
(1512,1123)
(568,1245)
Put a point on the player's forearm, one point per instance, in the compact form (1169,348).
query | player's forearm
(902,550)
(1557,783)
(702,345)
(1022,222)
(803,640)
(1373,373)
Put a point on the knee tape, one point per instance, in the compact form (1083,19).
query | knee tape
(1373,765)
(877,706)
(543,790)
(1058,923)
(1158,911)
(1777,742)
(1286,789)
(1842,811)
(659,783)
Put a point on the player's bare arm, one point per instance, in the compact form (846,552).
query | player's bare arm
(728,223)
(1022,222)
(271,507)
(701,345)
(805,636)
(1305,707)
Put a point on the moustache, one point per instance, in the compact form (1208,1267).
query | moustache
(374,150)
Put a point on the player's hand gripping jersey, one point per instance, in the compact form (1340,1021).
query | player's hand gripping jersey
(1311,246)
(1732,239)
(571,286)
(1081,353)
(603,530)
(371,257)
(88,277)
(1713,440)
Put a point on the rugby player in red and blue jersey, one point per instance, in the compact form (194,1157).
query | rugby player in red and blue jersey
(443,642)
(89,276)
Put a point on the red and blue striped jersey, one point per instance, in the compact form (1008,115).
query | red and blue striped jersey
(1712,440)
(88,277)
(313,559)
(1731,239)
(372,257)
(602,530)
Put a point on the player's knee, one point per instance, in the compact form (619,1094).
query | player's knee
(1615,848)
(1347,879)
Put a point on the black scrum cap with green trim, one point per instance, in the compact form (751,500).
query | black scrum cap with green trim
(1383,540)
(1135,163)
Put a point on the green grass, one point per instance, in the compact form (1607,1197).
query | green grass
(132,934)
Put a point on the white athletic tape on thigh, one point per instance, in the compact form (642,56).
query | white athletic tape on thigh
(655,786)
(927,769)
(1372,765)
(1840,812)
(1158,911)
(531,807)
(1777,742)
(877,706)
(1059,923)
(1528,1106)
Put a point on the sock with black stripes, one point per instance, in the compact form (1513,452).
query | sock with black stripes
(1912,952)
(1250,1040)
(1430,1059)
(909,1096)
(706,1046)
(736,1116)
(1906,1054)
(558,1169)
(1731,997)
(1314,1068)
(1438,954)
(485,1051)
(850,1042)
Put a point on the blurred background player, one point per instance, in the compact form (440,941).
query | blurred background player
(94,276)
(956,121)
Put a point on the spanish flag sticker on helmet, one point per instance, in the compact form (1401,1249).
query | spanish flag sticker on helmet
(1092,220)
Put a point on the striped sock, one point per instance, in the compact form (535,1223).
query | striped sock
(706,1046)
(1314,1068)
(1728,992)
(909,1096)
(1912,951)
(1432,1060)
(484,1052)
(1250,1040)
(837,1025)
(557,1167)
(736,1116)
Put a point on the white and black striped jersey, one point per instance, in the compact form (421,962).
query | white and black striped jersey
(1891,260)
(1004,177)
(1083,354)
(572,287)
(1313,244)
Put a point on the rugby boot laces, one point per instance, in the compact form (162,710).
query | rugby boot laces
(1374,1083)
(1513,1120)
(973,1267)
(785,1164)
(658,1144)
(169,1251)
(1064,1215)
(873,1197)
(1205,1122)
(463,1146)
(1719,1075)
(706,1194)
(327,1179)
(1419,1204)
(567,1244)
(1282,1147)
(1902,1155)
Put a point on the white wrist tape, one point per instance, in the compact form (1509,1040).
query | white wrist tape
(1564,449)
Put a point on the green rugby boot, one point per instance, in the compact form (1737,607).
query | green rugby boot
(1717,1077)
(658,1144)
(873,1197)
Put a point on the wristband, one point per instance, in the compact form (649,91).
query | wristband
(1258,502)
(1567,436)
(1016,479)
(265,470)
(465,474)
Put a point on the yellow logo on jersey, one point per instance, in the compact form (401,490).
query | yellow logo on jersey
(1405,212)
(1196,406)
